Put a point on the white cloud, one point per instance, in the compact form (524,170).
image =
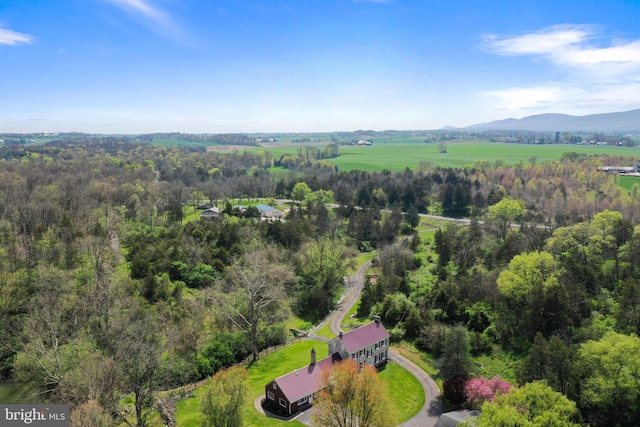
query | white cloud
(545,42)
(576,99)
(515,99)
(154,17)
(143,8)
(600,72)
(12,38)
(570,45)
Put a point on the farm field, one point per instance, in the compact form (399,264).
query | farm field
(396,155)
(626,181)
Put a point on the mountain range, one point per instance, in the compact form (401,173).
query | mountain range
(625,122)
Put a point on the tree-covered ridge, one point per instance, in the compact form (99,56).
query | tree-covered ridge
(99,267)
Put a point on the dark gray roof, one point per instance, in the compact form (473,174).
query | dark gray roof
(453,418)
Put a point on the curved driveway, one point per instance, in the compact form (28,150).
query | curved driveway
(428,415)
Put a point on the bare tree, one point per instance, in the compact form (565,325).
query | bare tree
(257,295)
(137,351)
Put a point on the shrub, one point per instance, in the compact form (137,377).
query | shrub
(480,390)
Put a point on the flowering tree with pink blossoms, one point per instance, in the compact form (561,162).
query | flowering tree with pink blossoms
(480,390)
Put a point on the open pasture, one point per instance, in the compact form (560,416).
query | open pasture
(398,154)
(627,181)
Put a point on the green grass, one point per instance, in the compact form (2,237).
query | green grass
(190,215)
(325,331)
(298,323)
(398,154)
(260,373)
(499,363)
(356,263)
(13,393)
(350,322)
(424,360)
(626,182)
(405,390)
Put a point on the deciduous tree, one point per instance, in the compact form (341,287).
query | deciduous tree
(480,390)
(504,213)
(256,301)
(352,397)
(321,268)
(300,191)
(534,405)
(536,301)
(610,380)
(223,397)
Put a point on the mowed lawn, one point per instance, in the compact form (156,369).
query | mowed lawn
(398,154)
(405,390)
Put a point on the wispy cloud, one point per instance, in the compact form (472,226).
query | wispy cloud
(12,38)
(600,70)
(524,98)
(569,45)
(152,15)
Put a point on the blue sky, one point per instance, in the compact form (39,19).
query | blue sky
(216,66)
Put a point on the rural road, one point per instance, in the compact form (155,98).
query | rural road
(428,415)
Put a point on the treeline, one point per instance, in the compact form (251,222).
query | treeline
(222,139)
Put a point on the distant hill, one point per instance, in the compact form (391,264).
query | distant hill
(627,121)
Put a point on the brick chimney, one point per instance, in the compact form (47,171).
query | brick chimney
(376,318)
(313,356)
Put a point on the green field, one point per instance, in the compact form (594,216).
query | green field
(626,181)
(398,154)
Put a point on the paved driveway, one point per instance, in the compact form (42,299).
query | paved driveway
(428,415)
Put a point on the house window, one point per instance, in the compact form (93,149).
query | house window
(271,396)
(353,355)
(303,400)
(275,386)
(375,359)
(377,345)
(283,403)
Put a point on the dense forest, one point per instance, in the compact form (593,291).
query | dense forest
(110,288)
